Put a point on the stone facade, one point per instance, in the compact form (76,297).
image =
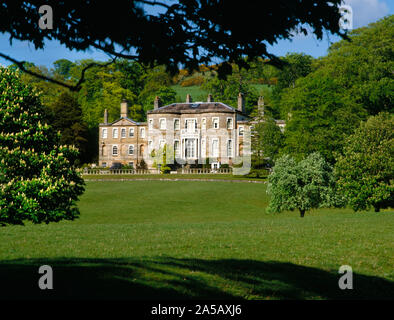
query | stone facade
(192,131)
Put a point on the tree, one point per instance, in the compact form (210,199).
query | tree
(303,185)
(353,81)
(267,139)
(187,33)
(226,90)
(167,96)
(297,65)
(321,115)
(67,118)
(37,177)
(62,68)
(365,169)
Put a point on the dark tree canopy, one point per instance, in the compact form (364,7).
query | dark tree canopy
(186,33)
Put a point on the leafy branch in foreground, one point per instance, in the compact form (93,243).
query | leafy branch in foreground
(186,33)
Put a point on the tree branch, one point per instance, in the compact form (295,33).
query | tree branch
(155,3)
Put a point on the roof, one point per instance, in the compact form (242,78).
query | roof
(122,122)
(195,107)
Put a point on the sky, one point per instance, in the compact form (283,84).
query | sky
(364,12)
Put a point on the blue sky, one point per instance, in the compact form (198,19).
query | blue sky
(364,12)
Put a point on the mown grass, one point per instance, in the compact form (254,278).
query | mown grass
(178,239)
(173,176)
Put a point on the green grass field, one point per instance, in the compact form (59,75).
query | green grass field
(178,176)
(196,92)
(183,239)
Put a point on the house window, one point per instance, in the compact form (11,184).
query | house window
(241,131)
(190,125)
(150,124)
(203,123)
(131,164)
(176,124)
(131,132)
(176,148)
(190,148)
(215,122)
(115,133)
(123,133)
(105,133)
(114,150)
(150,144)
(104,164)
(131,150)
(215,148)
(229,148)
(162,124)
(229,123)
(203,148)
(142,131)
(162,144)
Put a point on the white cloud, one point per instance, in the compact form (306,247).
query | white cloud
(367,11)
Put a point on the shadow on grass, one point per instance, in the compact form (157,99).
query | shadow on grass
(169,278)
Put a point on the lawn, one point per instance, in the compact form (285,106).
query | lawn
(192,239)
(178,176)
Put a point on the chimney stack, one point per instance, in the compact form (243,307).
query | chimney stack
(210,98)
(157,103)
(188,98)
(105,116)
(124,106)
(241,102)
(260,106)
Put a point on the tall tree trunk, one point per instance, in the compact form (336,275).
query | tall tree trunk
(302,213)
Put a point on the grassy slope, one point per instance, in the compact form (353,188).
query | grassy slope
(196,92)
(181,239)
